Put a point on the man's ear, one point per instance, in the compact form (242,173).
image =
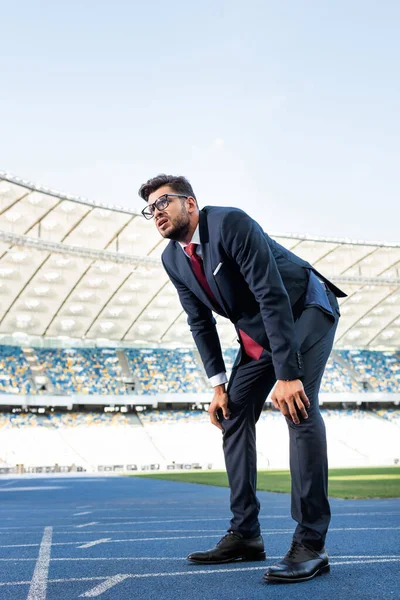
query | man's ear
(191,202)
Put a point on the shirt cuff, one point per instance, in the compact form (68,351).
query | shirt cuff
(218,379)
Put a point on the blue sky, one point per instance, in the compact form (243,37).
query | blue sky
(287,109)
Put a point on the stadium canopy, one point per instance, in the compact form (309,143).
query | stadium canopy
(75,271)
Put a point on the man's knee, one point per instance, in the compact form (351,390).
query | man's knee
(314,419)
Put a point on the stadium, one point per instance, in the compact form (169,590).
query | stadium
(100,379)
(98,363)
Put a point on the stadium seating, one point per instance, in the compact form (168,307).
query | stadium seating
(229,355)
(98,370)
(164,437)
(380,369)
(166,371)
(337,379)
(390,414)
(83,419)
(19,420)
(82,371)
(180,435)
(84,439)
(14,371)
(359,437)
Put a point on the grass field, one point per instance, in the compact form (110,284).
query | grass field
(367,482)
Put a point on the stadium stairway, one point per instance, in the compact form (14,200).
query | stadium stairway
(123,361)
(40,381)
(127,375)
(135,420)
(351,372)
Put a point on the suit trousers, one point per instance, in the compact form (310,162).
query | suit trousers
(250,383)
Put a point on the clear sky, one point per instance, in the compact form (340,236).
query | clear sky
(289,109)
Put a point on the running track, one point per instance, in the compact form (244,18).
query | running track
(122,538)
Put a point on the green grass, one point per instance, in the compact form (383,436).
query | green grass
(367,482)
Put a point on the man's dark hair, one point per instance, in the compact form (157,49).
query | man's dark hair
(179,184)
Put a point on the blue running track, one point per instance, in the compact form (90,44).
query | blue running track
(118,538)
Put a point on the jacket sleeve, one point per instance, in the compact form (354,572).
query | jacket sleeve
(245,242)
(202,326)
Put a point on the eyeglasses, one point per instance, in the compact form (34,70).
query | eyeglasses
(161,203)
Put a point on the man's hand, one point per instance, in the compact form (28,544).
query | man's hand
(288,396)
(219,401)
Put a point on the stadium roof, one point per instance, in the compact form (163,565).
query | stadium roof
(71,268)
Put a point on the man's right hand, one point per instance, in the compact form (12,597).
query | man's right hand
(219,402)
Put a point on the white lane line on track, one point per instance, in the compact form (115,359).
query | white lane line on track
(169,558)
(163,521)
(211,531)
(366,514)
(94,543)
(103,587)
(187,537)
(121,510)
(365,562)
(11,482)
(86,524)
(263,531)
(38,488)
(37,590)
(285,516)
(79,514)
(71,532)
(364,529)
(196,572)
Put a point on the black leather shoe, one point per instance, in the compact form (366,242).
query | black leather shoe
(233,546)
(299,564)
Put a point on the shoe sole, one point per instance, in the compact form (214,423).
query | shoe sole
(274,579)
(257,557)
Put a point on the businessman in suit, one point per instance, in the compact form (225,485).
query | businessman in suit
(285,314)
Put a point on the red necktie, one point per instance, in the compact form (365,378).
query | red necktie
(198,270)
(252,348)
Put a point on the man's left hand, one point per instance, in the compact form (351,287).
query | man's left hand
(290,398)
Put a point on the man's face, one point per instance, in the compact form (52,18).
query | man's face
(173,220)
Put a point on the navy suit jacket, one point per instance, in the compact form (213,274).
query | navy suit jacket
(259,285)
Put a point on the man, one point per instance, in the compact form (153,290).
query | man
(285,314)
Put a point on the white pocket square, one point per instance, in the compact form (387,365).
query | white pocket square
(217,269)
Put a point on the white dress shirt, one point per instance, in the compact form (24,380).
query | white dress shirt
(219,378)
